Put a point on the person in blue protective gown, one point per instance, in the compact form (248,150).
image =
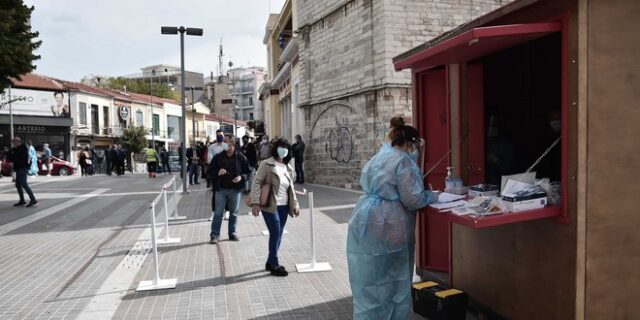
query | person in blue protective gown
(381,236)
(33,160)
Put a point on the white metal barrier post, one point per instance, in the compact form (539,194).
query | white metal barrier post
(175,215)
(313,266)
(156,283)
(167,239)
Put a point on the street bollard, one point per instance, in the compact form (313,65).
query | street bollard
(167,239)
(156,283)
(175,215)
(313,266)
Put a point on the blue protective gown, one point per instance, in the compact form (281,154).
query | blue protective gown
(33,158)
(381,239)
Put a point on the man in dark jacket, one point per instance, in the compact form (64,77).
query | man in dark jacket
(232,171)
(298,154)
(19,155)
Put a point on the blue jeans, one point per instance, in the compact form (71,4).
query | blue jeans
(225,198)
(21,183)
(193,173)
(275,223)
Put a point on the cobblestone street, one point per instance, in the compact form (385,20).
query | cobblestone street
(82,252)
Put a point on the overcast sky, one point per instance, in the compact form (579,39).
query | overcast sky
(118,37)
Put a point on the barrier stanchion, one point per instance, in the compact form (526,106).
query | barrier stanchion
(167,239)
(313,266)
(156,283)
(175,215)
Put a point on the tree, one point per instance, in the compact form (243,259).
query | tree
(134,141)
(16,41)
(157,89)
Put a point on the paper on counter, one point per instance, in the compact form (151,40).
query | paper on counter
(448,197)
(448,205)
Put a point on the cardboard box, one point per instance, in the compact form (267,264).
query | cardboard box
(437,303)
(518,205)
(483,190)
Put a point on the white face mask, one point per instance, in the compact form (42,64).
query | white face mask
(282,152)
(225,146)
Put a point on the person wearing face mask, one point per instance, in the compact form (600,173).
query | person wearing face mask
(381,233)
(278,174)
(212,150)
(232,170)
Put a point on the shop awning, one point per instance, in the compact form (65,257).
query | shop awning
(475,43)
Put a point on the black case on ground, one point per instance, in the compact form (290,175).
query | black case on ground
(437,303)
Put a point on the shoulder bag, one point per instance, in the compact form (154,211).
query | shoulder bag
(265,189)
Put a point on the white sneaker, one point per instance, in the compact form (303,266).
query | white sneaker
(211,218)
(226,215)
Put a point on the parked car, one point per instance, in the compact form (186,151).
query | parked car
(60,168)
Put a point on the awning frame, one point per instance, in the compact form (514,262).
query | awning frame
(527,31)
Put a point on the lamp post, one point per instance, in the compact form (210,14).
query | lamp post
(153,133)
(235,121)
(193,112)
(191,32)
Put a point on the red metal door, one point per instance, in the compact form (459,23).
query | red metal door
(433,122)
(475,135)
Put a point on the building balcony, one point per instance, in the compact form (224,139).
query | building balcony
(290,51)
(282,76)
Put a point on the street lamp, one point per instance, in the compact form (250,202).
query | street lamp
(190,32)
(193,112)
(153,134)
(235,120)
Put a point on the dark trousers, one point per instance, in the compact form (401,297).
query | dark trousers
(21,183)
(120,167)
(275,223)
(166,167)
(299,172)
(109,167)
(193,173)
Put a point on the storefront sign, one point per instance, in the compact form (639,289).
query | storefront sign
(35,103)
(30,129)
(123,112)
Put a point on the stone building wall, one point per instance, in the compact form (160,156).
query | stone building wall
(348,87)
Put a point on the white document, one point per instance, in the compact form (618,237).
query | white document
(448,197)
(448,205)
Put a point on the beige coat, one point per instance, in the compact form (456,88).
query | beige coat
(269,167)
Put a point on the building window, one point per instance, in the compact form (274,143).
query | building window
(250,115)
(95,121)
(83,113)
(155,124)
(250,101)
(173,127)
(105,117)
(139,119)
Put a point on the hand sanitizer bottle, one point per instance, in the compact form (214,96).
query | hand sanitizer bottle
(448,181)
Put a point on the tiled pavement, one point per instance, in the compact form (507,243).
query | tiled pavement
(57,266)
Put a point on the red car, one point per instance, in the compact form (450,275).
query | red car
(60,168)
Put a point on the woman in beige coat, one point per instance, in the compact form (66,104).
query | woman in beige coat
(276,172)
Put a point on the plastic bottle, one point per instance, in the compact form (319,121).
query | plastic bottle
(449,184)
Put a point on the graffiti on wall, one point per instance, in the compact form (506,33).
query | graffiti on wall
(339,144)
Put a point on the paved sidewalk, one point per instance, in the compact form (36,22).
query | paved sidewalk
(84,251)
